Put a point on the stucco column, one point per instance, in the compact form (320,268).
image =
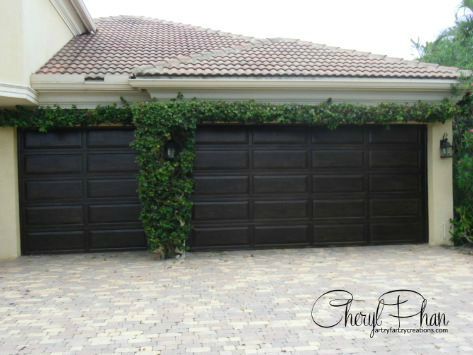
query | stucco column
(440,185)
(9,203)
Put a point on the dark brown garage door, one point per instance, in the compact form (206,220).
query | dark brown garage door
(260,186)
(78,191)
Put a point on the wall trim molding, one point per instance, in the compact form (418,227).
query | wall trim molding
(19,92)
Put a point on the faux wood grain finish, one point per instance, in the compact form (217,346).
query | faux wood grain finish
(79,191)
(260,186)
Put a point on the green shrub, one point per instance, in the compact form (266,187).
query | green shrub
(462,224)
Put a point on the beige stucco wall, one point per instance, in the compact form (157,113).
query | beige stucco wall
(33,32)
(439,185)
(9,206)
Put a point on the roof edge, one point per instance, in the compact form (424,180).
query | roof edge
(385,84)
(75,15)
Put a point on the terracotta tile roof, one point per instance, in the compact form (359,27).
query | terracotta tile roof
(150,47)
(124,42)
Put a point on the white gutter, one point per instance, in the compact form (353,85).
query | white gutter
(318,83)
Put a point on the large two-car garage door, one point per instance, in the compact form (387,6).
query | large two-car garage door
(79,191)
(255,186)
(260,186)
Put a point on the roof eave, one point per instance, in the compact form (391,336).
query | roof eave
(300,83)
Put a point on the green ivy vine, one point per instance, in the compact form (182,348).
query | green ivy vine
(165,187)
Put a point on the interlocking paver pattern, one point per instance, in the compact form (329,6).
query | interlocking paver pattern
(243,302)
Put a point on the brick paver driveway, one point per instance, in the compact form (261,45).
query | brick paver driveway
(232,302)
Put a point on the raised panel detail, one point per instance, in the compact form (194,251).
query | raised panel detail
(394,159)
(395,232)
(53,139)
(280,135)
(54,215)
(117,239)
(112,188)
(266,235)
(112,162)
(280,184)
(220,210)
(207,237)
(104,138)
(221,134)
(394,183)
(394,207)
(53,190)
(393,134)
(338,183)
(61,186)
(341,135)
(280,159)
(207,185)
(53,164)
(293,185)
(339,208)
(114,213)
(337,159)
(221,160)
(280,209)
(56,241)
(339,233)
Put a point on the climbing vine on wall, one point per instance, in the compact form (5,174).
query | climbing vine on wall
(165,186)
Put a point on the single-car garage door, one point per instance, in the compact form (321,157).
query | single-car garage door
(79,191)
(260,186)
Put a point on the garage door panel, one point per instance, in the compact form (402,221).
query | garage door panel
(56,241)
(338,183)
(395,232)
(221,210)
(344,233)
(114,213)
(341,135)
(53,164)
(281,234)
(337,159)
(280,135)
(395,207)
(279,159)
(393,134)
(394,183)
(75,184)
(221,160)
(224,236)
(339,209)
(222,135)
(277,184)
(112,188)
(54,215)
(394,159)
(53,190)
(111,163)
(117,239)
(312,185)
(109,138)
(71,139)
(280,209)
(233,185)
